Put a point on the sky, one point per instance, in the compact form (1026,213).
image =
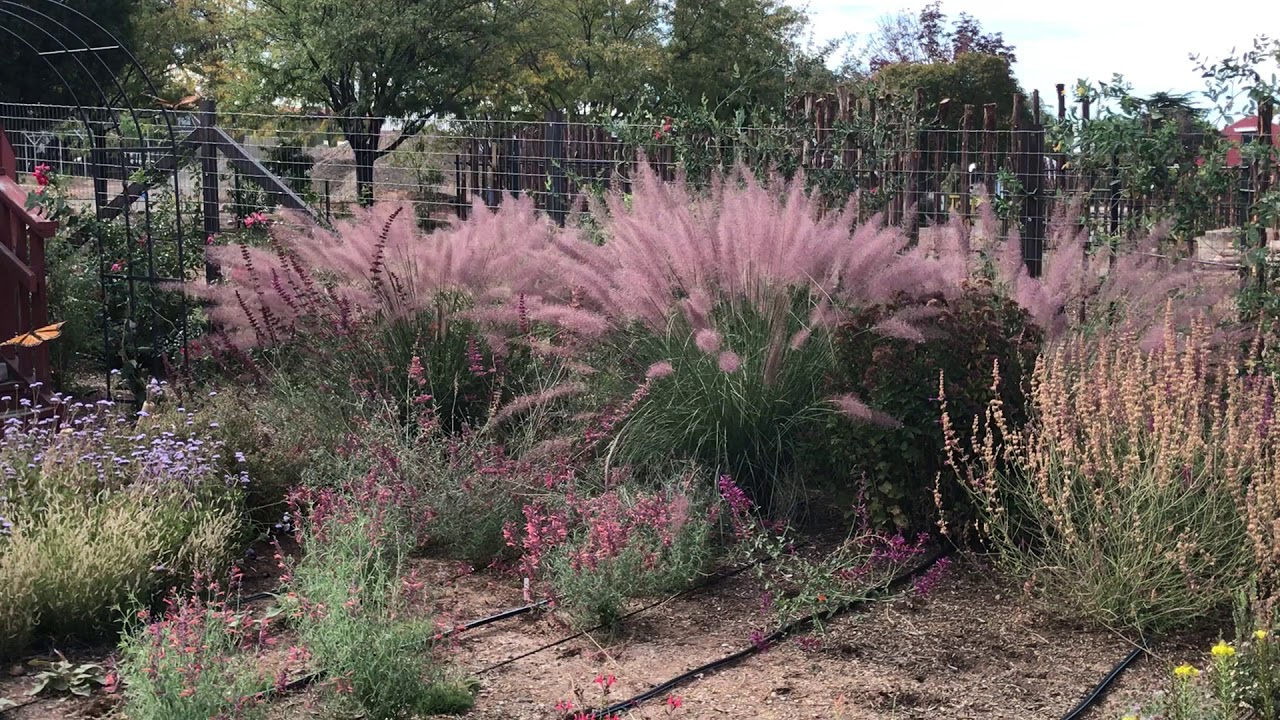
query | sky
(1146,41)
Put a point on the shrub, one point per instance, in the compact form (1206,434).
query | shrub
(807,584)
(903,460)
(199,659)
(623,543)
(356,605)
(1140,494)
(96,510)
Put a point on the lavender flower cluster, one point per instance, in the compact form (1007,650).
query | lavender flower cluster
(96,446)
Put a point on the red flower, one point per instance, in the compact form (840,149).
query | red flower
(666,128)
(41,174)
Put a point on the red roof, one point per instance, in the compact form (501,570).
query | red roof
(1236,132)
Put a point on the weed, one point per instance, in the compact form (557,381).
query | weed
(62,676)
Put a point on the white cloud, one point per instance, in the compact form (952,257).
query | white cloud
(1148,43)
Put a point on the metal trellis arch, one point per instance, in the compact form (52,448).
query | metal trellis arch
(137,233)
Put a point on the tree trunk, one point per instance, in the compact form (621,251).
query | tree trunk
(363,134)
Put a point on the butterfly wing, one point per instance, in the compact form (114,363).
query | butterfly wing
(24,340)
(35,337)
(49,332)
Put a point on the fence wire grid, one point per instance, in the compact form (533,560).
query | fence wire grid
(913,173)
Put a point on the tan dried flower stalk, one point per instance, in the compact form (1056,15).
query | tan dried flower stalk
(1145,492)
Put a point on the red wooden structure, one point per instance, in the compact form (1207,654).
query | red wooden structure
(24,301)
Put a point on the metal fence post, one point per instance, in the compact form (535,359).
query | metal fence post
(210,213)
(556,204)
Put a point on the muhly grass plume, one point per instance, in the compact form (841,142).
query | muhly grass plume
(673,252)
(1126,290)
(375,264)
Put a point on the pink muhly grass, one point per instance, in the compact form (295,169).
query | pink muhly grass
(729,362)
(707,340)
(852,407)
(375,264)
(895,327)
(1140,280)
(671,250)
(659,370)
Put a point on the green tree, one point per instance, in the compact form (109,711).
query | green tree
(927,38)
(62,78)
(370,61)
(585,57)
(733,54)
(972,79)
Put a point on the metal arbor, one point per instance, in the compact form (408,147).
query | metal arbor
(130,156)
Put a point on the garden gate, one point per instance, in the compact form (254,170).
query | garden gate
(23,298)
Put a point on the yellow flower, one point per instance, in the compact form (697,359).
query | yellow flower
(1129,717)
(1185,671)
(1222,649)
(1259,634)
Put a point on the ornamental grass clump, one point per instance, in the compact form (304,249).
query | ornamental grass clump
(738,291)
(1142,493)
(100,508)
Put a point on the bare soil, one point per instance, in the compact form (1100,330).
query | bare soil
(974,649)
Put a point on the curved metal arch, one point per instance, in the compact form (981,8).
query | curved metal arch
(84,116)
(106,99)
(173,142)
(93,137)
(113,118)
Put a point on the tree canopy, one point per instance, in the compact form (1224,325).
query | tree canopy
(953,60)
(411,60)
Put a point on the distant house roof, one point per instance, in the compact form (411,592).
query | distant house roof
(1242,132)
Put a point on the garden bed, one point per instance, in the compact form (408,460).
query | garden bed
(973,649)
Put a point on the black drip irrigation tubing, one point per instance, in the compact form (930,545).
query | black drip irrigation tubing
(760,645)
(310,678)
(712,581)
(1102,687)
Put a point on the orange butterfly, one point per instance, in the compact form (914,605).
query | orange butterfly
(39,336)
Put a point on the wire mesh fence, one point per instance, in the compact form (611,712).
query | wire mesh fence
(911,169)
